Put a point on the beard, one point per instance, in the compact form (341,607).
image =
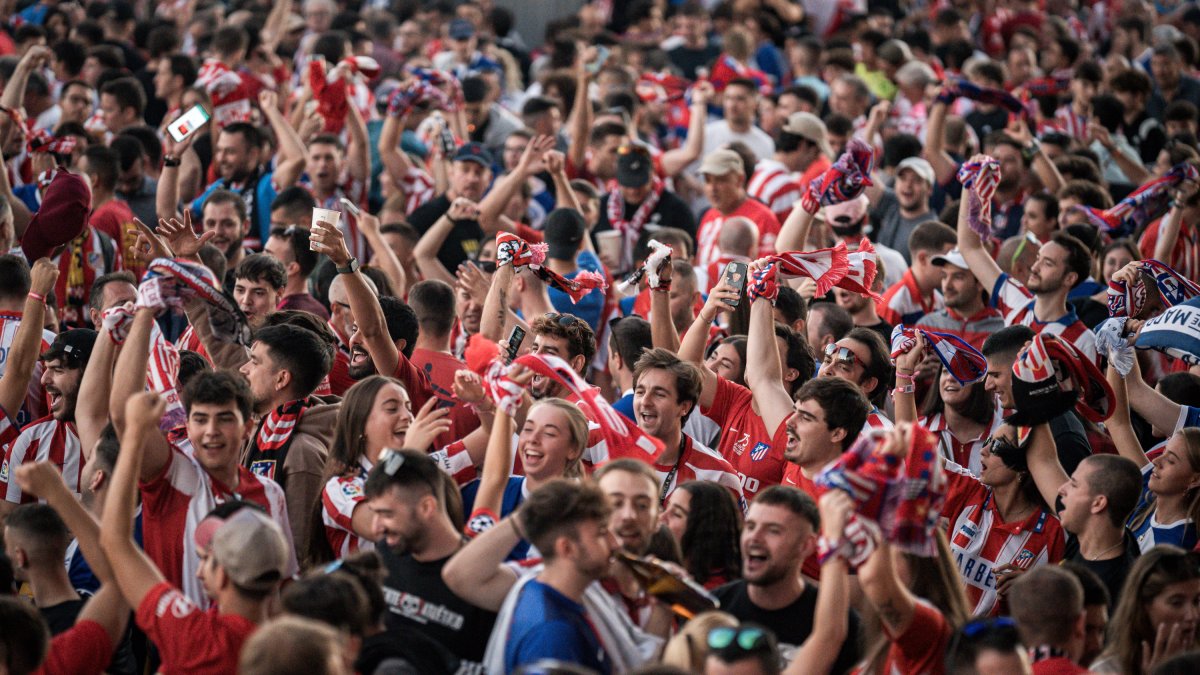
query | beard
(847,230)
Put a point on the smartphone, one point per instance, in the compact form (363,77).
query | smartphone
(188,123)
(601,58)
(514,342)
(351,207)
(735,275)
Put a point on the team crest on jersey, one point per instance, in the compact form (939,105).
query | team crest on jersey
(352,490)
(94,259)
(480,523)
(264,468)
(760,450)
(1024,557)
(4,471)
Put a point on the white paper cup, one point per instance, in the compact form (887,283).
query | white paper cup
(609,245)
(324,218)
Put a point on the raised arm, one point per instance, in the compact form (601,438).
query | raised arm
(1045,170)
(1042,457)
(273,27)
(395,162)
(477,573)
(944,166)
(831,623)
(581,117)
(1168,229)
(166,199)
(674,161)
(27,344)
(793,236)
(978,259)
(490,496)
(564,194)
(696,338)
(426,250)
(904,394)
(502,191)
(135,574)
(1129,165)
(358,150)
(291,159)
(95,389)
(763,367)
(129,381)
(1160,411)
(364,306)
(495,306)
(13,96)
(1119,425)
(662,326)
(383,256)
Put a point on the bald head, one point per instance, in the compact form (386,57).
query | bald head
(738,236)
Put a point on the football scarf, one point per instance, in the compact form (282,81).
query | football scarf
(962,360)
(417,93)
(827,266)
(1157,286)
(1144,204)
(1040,374)
(41,140)
(659,254)
(270,444)
(511,249)
(961,88)
(184,279)
(843,181)
(764,283)
(1111,343)
(898,499)
(625,438)
(631,229)
(1175,332)
(980,176)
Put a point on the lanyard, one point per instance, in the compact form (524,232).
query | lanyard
(666,486)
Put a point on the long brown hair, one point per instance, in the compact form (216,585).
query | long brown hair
(1191,441)
(1130,625)
(349,445)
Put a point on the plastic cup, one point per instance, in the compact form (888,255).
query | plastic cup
(609,244)
(324,218)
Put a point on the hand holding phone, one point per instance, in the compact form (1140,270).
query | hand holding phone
(515,338)
(188,123)
(735,276)
(351,207)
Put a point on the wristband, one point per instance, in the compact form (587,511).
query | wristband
(515,519)
(37,296)
(906,389)
(169,161)
(906,376)
(827,549)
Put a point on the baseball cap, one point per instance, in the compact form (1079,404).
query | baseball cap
(633,166)
(461,29)
(954,257)
(848,212)
(722,162)
(74,347)
(62,217)
(923,168)
(808,126)
(564,230)
(474,152)
(252,550)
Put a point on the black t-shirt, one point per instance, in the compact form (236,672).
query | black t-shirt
(687,59)
(61,617)
(418,599)
(1071,438)
(884,329)
(1113,571)
(671,211)
(462,243)
(792,624)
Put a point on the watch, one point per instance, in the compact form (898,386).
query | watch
(1031,150)
(350,268)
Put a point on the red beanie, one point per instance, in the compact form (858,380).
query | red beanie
(62,216)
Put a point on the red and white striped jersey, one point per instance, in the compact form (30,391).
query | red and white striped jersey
(1185,256)
(1071,123)
(980,541)
(1015,302)
(175,502)
(45,440)
(963,453)
(35,400)
(418,188)
(904,304)
(456,462)
(697,462)
(338,500)
(877,421)
(776,186)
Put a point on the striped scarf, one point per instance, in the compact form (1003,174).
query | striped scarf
(962,360)
(269,448)
(1142,205)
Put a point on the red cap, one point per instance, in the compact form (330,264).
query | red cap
(61,218)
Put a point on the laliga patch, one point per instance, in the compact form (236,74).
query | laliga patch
(352,490)
(760,451)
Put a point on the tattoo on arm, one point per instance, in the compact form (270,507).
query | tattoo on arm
(502,309)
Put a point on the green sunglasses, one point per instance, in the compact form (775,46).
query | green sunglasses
(747,639)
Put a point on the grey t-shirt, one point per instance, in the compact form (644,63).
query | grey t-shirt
(891,228)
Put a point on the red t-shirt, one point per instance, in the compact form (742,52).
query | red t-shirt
(415,381)
(83,649)
(793,476)
(922,647)
(708,248)
(440,367)
(113,218)
(755,453)
(190,640)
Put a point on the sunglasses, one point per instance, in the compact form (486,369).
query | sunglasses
(629,149)
(1029,240)
(564,320)
(488,266)
(842,355)
(392,461)
(745,639)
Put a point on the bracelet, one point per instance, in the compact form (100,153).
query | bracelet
(37,296)
(906,389)
(516,525)
(905,376)
(169,161)
(827,548)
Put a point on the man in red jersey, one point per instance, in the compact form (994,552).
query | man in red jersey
(434,304)
(244,556)
(725,187)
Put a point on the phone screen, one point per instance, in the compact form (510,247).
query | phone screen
(735,275)
(188,123)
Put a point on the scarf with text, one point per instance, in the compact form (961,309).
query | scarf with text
(511,249)
(1175,332)
(270,444)
(1157,286)
(843,181)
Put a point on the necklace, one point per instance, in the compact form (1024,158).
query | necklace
(1101,554)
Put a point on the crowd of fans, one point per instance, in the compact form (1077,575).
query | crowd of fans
(376,338)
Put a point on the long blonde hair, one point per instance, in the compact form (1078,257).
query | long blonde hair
(689,648)
(1130,625)
(577,425)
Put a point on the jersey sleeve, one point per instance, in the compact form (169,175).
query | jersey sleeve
(171,621)
(83,649)
(922,646)
(338,499)
(14,456)
(456,461)
(1188,417)
(730,397)
(1009,296)
(414,379)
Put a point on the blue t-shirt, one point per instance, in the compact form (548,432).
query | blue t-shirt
(548,625)
(624,405)
(1148,531)
(591,307)
(514,494)
(259,202)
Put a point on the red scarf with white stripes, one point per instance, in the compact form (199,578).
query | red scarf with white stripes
(269,448)
(631,229)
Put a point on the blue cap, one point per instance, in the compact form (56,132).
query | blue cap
(474,152)
(461,29)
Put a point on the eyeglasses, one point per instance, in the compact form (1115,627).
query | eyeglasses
(746,639)
(842,355)
(392,461)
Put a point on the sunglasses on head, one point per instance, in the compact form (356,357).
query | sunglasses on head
(743,639)
(842,355)
(628,149)
(392,461)
(564,320)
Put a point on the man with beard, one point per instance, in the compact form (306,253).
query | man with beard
(341,322)
(292,441)
(917,292)
(53,437)
(1062,264)
(900,211)
(225,215)
(568,523)
(470,175)
(640,200)
(405,493)
(779,535)
(966,314)
(339,171)
(665,391)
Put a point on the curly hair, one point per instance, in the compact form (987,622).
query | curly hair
(711,541)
